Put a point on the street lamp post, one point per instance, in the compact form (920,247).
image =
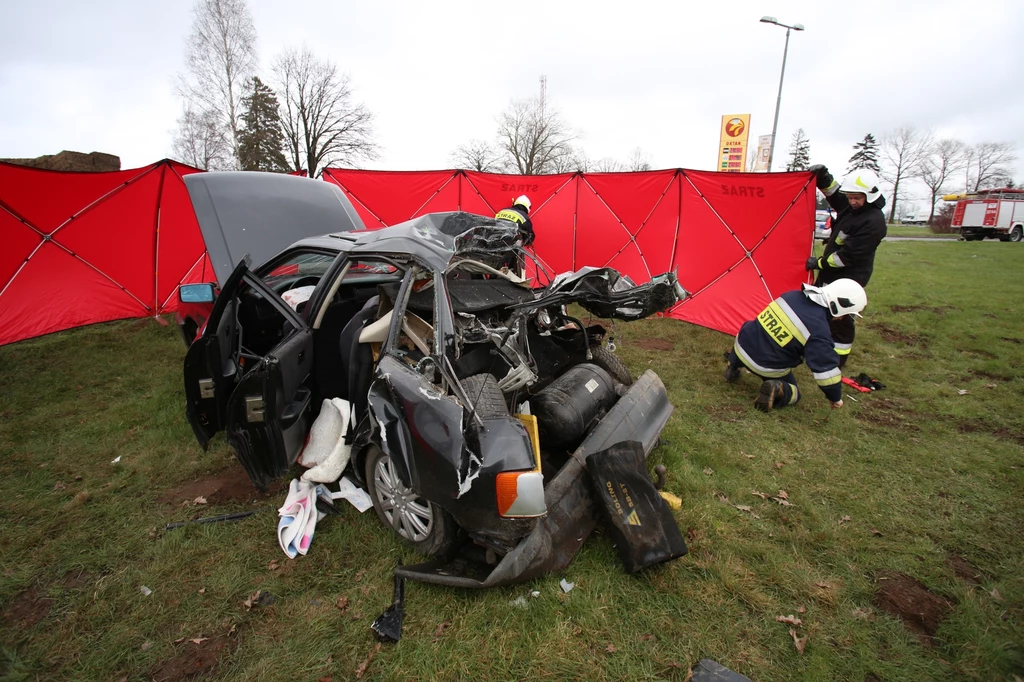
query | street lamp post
(778,101)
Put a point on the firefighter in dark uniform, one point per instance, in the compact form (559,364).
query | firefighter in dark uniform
(857,231)
(519,213)
(793,328)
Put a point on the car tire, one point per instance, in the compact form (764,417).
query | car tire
(485,396)
(613,364)
(421,524)
(1016,234)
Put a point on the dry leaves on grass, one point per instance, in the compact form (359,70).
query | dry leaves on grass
(758,493)
(610,648)
(195,640)
(779,465)
(440,630)
(789,620)
(798,642)
(845,519)
(708,471)
(862,614)
(272,566)
(361,670)
(995,594)
(824,586)
(876,532)
(199,500)
(342,604)
(746,509)
(802,610)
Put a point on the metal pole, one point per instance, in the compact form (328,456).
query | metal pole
(778,102)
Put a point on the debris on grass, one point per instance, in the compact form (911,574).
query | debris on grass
(145,591)
(610,648)
(441,627)
(519,602)
(361,670)
(342,604)
(876,532)
(789,620)
(758,493)
(146,646)
(116,460)
(802,610)
(798,642)
(195,661)
(845,519)
(708,471)
(535,594)
(962,391)
(862,614)
(995,594)
(258,598)
(779,465)
(747,510)
(272,566)
(566,585)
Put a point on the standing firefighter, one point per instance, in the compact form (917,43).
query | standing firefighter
(856,232)
(795,327)
(519,213)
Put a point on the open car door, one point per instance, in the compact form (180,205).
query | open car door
(212,363)
(260,398)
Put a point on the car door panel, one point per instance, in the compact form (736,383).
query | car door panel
(269,414)
(211,367)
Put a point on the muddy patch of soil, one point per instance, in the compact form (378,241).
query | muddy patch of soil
(655,344)
(193,661)
(920,609)
(76,579)
(937,309)
(982,426)
(885,412)
(894,335)
(725,412)
(27,608)
(964,569)
(231,485)
(1009,339)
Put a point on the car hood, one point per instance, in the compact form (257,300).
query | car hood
(261,214)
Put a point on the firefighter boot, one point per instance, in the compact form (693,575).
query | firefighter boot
(732,371)
(773,394)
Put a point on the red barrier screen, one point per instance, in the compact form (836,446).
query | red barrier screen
(737,240)
(80,248)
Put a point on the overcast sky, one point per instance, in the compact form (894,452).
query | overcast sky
(98,75)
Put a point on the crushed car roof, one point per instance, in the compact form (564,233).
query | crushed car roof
(430,237)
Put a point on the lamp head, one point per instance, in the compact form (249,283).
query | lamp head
(769,20)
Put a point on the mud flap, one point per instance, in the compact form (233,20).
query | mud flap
(638,520)
(639,416)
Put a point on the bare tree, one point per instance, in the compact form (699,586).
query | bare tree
(991,161)
(969,157)
(477,155)
(902,151)
(638,161)
(534,138)
(322,125)
(221,56)
(938,164)
(202,140)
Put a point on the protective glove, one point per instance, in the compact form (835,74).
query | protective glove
(821,174)
(812,264)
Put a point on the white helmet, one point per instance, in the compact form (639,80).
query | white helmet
(862,181)
(524,201)
(844,297)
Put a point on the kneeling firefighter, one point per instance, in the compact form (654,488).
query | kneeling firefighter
(793,328)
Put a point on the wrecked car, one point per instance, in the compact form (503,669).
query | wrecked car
(476,395)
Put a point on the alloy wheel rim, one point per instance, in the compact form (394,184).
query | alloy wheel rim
(407,513)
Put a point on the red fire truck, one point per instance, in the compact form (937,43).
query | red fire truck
(990,213)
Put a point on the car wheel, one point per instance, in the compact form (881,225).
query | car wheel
(613,364)
(485,395)
(1016,234)
(420,523)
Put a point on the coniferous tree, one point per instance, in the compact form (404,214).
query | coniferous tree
(799,152)
(260,141)
(865,155)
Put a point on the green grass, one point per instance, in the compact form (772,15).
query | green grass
(915,231)
(936,473)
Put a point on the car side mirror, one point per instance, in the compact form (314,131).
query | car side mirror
(196,293)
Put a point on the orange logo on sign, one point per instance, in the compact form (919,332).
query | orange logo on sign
(734,128)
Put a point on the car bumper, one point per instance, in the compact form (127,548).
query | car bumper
(640,415)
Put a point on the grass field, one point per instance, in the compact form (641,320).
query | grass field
(915,231)
(923,479)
